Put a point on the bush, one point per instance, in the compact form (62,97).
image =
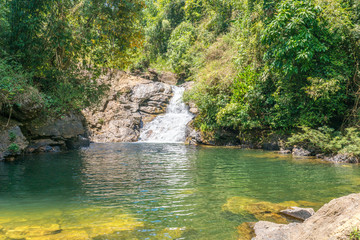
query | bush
(327,140)
(13,148)
(181,40)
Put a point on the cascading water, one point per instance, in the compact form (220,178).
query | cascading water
(169,127)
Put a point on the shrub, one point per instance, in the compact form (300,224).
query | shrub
(13,148)
(327,140)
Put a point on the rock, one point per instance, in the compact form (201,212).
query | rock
(45,145)
(342,158)
(77,142)
(261,210)
(28,106)
(130,103)
(66,127)
(284,152)
(192,136)
(169,78)
(298,213)
(273,231)
(334,220)
(298,151)
(12,140)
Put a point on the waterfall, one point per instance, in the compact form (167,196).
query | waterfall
(170,127)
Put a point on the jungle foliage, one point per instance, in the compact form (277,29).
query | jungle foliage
(60,47)
(259,64)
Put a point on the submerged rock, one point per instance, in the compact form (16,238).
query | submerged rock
(334,220)
(246,231)
(81,224)
(261,210)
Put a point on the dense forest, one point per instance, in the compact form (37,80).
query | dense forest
(263,65)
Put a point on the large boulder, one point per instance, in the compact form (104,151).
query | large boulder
(65,127)
(12,140)
(28,105)
(335,220)
(55,134)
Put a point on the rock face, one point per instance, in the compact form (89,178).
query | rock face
(130,103)
(334,220)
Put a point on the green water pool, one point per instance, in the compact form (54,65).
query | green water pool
(155,191)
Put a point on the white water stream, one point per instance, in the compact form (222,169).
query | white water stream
(170,127)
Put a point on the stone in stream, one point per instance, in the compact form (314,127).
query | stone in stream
(298,213)
(298,151)
(335,220)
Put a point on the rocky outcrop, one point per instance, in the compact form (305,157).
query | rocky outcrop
(334,220)
(130,102)
(49,135)
(342,158)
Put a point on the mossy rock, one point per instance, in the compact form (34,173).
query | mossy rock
(261,210)
(246,231)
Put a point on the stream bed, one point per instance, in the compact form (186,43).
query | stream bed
(155,191)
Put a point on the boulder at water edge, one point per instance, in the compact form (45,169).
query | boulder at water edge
(334,220)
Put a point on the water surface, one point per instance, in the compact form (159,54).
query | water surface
(157,189)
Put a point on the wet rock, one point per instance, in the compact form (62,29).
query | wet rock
(284,152)
(265,211)
(334,220)
(298,213)
(298,151)
(192,136)
(130,103)
(12,140)
(77,142)
(343,158)
(261,210)
(45,145)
